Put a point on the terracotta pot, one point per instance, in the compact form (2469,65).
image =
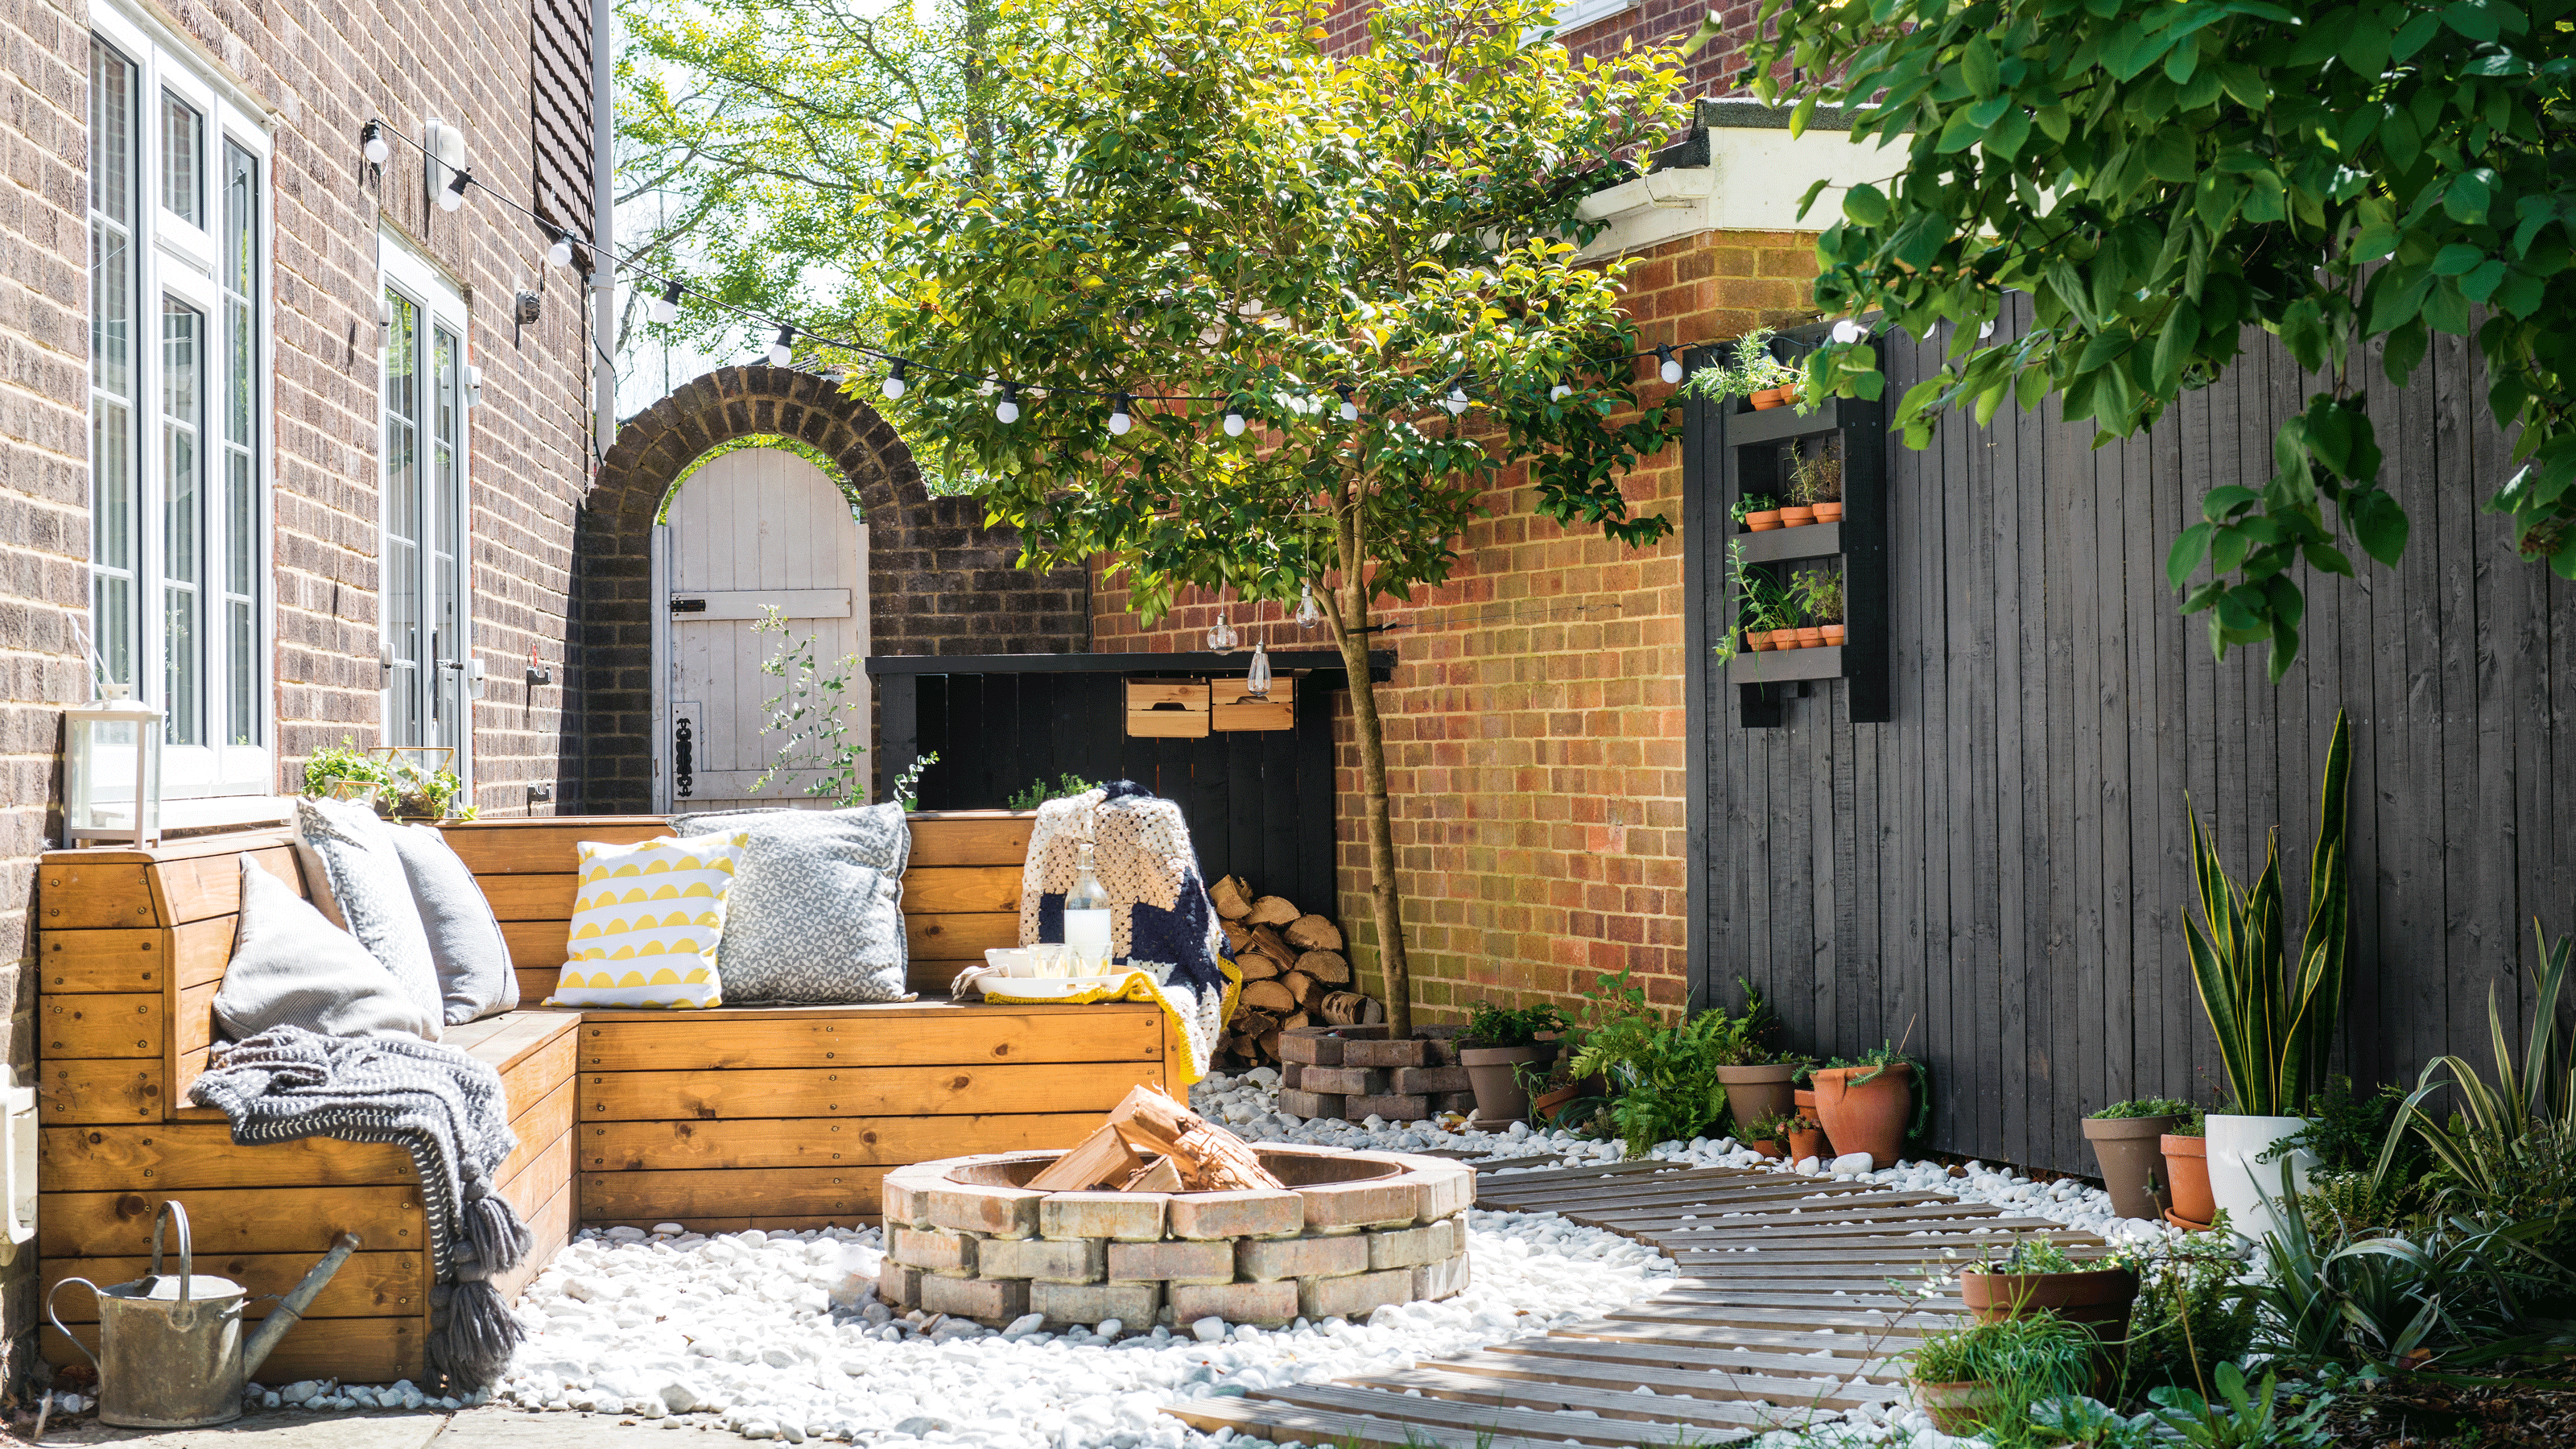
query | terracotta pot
(1795,516)
(1803,1101)
(1767,399)
(1500,1098)
(1546,1103)
(1957,1408)
(2184,1223)
(1811,638)
(1762,520)
(1829,512)
(2187,1177)
(1867,1116)
(1758,639)
(2133,1166)
(1753,1093)
(1833,634)
(1789,394)
(1769,1147)
(1805,1143)
(2099,1297)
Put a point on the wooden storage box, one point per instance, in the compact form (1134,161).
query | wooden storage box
(1168,709)
(1231,709)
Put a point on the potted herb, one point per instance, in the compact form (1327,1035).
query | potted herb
(1750,372)
(1969,1376)
(2125,1137)
(345,772)
(1757,1077)
(1816,480)
(1759,513)
(2186,1153)
(417,790)
(2037,1276)
(1820,595)
(1806,1140)
(1768,1136)
(1869,1103)
(2274,1010)
(1497,1040)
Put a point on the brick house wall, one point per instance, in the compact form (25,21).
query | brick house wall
(1535,724)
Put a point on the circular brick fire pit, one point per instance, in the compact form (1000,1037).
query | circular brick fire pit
(1355,1231)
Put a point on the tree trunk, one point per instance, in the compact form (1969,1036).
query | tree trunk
(1381,835)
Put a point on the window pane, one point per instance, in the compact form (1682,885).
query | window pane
(183,140)
(183,520)
(115,481)
(240,277)
(402,581)
(441,530)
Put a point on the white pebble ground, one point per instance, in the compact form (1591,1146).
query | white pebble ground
(778,1336)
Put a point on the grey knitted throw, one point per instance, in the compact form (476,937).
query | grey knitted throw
(444,1107)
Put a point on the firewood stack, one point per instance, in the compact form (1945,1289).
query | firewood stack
(1294,974)
(1154,1144)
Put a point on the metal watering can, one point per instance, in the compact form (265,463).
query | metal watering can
(170,1350)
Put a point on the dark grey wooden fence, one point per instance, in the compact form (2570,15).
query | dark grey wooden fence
(2000,869)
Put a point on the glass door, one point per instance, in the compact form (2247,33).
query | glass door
(425,616)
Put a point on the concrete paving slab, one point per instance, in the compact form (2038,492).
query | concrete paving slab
(494,1427)
(281,1430)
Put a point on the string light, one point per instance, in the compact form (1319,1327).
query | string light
(1456,401)
(782,348)
(1847,331)
(1672,366)
(453,196)
(1221,635)
(1257,682)
(1008,410)
(560,254)
(894,385)
(666,308)
(1350,409)
(1119,421)
(1308,615)
(371,144)
(1234,424)
(1559,393)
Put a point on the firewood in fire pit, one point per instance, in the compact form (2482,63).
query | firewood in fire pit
(1209,1158)
(1102,1159)
(1160,1176)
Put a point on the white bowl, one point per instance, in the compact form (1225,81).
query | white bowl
(1011,960)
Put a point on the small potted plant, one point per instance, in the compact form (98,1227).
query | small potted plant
(1767,1136)
(1750,372)
(2036,1275)
(345,772)
(1806,1140)
(1820,594)
(1499,1039)
(2185,1146)
(1758,1077)
(1758,512)
(2124,1137)
(1871,1103)
(1963,1377)
(416,789)
(1816,480)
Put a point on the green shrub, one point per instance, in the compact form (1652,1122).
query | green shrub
(1489,1025)
(2147,1107)
(2191,1313)
(2025,1360)
(1040,792)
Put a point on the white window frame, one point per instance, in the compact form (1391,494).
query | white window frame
(176,259)
(1573,15)
(405,268)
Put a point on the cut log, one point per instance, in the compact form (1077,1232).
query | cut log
(1314,933)
(1232,898)
(1268,943)
(1297,1019)
(1237,935)
(1372,1011)
(1210,1158)
(1342,1008)
(1099,1160)
(1329,967)
(1161,1176)
(1302,987)
(1269,996)
(1252,1021)
(1257,966)
(1270,1046)
(1271,911)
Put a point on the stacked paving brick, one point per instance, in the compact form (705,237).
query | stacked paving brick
(962,1240)
(1358,1072)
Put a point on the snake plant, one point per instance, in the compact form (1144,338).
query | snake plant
(2275,1014)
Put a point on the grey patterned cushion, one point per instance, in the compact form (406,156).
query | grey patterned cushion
(817,909)
(359,882)
(290,967)
(465,944)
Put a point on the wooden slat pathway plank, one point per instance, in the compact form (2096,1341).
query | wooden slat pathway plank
(1637,1353)
(1495,1418)
(1287,1422)
(1782,1385)
(1477,1391)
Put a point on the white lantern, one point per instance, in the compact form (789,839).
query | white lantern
(112,770)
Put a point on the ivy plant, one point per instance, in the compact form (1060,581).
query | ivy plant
(2163,176)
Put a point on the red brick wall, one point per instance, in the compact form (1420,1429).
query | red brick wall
(1710,72)
(1534,727)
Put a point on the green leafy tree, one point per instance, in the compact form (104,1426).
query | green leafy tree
(2159,176)
(1366,261)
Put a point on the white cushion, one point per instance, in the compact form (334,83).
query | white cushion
(290,967)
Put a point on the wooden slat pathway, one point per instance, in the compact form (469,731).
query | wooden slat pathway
(1797,1297)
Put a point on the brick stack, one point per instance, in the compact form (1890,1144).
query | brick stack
(992,1251)
(1357,1072)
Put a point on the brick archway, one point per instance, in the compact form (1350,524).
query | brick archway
(939,581)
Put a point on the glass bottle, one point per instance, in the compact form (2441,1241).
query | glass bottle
(1086,917)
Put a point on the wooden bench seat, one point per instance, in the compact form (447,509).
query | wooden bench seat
(732,1118)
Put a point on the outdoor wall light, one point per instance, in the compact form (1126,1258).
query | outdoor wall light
(666,308)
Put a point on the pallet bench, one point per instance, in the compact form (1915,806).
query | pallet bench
(738,1117)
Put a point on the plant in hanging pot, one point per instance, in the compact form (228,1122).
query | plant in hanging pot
(1820,595)
(1758,512)
(1874,1102)
(2186,1152)
(2125,1138)
(1497,1040)
(1968,1377)
(2275,1012)
(1816,480)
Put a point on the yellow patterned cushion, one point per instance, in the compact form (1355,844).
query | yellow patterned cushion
(646,920)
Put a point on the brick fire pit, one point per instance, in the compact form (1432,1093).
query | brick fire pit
(1356,1231)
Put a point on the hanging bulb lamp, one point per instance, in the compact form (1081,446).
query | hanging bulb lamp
(1848,331)
(782,348)
(666,308)
(1559,393)
(1234,424)
(894,385)
(1008,409)
(559,255)
(1119,420)
(1671,370)
(1308,613)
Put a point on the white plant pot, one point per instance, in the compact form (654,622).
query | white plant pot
(2237,1149)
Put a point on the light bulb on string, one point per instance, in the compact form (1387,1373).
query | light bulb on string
(452,195)
(1308,613)
(1671,370)
(1559,393)
(1008,409)
(894,385)
(371,144)
(1119,420)
(1234,424)
(1350,408)
(559,255)
(1456,401)
(1848,331)
(782,348)
(666,308)
(1220,635)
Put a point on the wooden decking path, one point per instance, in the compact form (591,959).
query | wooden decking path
(1797,1297)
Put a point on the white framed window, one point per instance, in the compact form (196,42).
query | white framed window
(179,219)
(427,641)
(1575,14)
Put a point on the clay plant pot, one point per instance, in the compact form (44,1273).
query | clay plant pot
(1789,393)
(2098,1298)
(1796,516)
(1768,1147)
(1866,1116)
(1960,1408)
(1806,1142)
(1811,637)
(1767,399)
(1829,512)
(2133,1165)
(1833,634)
(1754,1093)
(1500,1097)
(2187,1177)
(1803,1101)
(1758,640)
(1762,520)
(1546,1103)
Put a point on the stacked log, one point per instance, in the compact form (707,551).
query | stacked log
(1294,974)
